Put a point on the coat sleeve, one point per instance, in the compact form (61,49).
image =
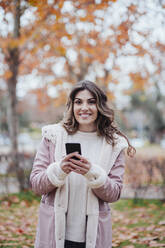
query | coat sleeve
(110,191)
(39,180)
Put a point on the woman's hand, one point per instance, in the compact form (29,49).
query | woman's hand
(80,166)
(66,164)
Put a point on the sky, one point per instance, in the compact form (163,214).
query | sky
(153,21)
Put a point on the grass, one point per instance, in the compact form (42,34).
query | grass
(17,198)
(18,215)
(139,224)
(131,203)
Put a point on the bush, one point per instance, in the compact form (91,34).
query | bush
(146,168)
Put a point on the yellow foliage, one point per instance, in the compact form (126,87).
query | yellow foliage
(22,40)
(61,50)
(132,8)
(60,4)
(13,43)
(57,82)
(61,99)
(87,18)
(3,43)
(90,50)
(45,38)
(110,96)
(34,50)
(33,2)
(127,92)
(106,80)
(139,82)
(8,74)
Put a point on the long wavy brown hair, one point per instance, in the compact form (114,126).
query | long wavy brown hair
(105,119)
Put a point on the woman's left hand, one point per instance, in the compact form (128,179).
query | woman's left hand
(81,166)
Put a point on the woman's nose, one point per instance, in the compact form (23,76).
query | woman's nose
(84,106)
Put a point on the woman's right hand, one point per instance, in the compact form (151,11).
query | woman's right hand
(66,165)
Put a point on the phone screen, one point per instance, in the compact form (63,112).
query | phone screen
(73,147)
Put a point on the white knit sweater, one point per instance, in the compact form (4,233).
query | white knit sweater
(76,214)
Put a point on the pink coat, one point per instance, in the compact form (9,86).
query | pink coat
(108,193)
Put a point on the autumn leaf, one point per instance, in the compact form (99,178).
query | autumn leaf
(8,74)
(155,244)
(162,222)
(33,2)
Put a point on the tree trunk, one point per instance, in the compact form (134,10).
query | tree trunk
(13,64)
(13,131)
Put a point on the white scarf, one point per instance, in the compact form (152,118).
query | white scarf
(58,135)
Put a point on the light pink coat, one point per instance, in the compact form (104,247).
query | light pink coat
(108,193)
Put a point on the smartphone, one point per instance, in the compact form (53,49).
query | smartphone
(73,147)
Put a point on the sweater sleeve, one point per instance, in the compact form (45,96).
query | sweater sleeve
(55,174)
(96,176)
(45,175)
(110,189)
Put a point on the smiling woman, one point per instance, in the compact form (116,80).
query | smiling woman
(74,210)
(85,111)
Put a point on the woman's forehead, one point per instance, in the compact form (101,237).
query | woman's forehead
(85,94)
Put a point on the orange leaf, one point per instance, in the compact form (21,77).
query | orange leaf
(8,74)
(33,2)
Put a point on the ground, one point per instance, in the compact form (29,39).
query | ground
(136,224)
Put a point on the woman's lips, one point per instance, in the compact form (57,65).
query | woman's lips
(84,115)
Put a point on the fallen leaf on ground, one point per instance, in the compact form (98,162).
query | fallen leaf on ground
(155,244)
(162,222)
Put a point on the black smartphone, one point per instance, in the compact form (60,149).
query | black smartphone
(73,147)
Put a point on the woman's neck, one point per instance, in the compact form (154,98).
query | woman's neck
(87,129)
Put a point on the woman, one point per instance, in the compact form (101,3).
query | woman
(74,209)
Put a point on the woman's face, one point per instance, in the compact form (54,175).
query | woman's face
(85,111)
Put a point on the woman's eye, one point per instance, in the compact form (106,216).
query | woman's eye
(77,102)
(92,102)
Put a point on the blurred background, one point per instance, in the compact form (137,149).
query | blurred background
(47,46)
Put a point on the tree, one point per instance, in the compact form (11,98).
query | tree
(3,121)
(12,56)
(23,49)
(79,34)
(114,43)
(152,106)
